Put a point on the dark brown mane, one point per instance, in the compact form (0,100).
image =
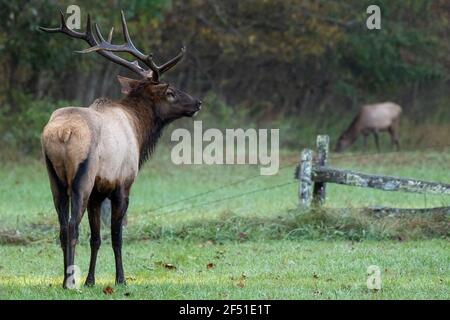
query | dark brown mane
(148,125)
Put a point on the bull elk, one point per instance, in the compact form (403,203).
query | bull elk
(372,118)
(95,153)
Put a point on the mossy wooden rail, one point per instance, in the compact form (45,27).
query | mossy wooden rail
(315,174)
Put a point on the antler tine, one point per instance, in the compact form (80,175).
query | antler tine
(98,33)
(62,28)
(130,45)
(88,25)
(126,34)
(110,35)
(171,63)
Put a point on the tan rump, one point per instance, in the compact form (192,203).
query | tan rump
(66,142)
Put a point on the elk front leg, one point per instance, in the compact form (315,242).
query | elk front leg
(119,206)
(365,141)
(377,140)
(94,212)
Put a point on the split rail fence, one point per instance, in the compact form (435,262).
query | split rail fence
(314,175)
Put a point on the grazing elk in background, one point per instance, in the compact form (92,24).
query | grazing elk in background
(372,118)
(95,153)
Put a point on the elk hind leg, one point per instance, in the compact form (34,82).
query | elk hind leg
(61,202)
(82,186)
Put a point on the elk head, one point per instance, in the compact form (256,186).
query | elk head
(168,102)
(347,138)
(343,143)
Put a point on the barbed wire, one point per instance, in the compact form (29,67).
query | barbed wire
(217,189)
(290,165)
(240,195)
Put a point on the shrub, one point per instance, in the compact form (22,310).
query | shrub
(20,129)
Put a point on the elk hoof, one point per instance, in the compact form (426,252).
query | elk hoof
(121,282)
(90,282)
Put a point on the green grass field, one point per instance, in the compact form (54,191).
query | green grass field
(259,244)
(252,270)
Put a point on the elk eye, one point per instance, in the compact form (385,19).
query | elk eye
(170,96)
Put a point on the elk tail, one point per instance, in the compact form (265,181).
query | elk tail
(64,135)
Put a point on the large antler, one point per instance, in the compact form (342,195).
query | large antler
(105,48)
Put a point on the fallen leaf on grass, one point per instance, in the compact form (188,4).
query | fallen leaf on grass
(219,254)
(346,287)
(168,266)
(210,265)
(108,290)
(242,235)
(241,282)
(205,244)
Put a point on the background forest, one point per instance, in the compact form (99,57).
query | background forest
(302,66)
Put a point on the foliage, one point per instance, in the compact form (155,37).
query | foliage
(20,130)
(265,60)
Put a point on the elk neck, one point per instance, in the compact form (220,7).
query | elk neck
(147,123)
(354,129)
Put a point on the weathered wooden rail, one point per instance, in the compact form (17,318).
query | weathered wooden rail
(314,174)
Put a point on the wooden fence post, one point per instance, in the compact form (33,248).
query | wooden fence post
(304,177)
(323,147)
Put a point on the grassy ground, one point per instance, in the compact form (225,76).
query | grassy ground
(268,270)
(261,246)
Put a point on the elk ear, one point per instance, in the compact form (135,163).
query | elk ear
(127,84)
